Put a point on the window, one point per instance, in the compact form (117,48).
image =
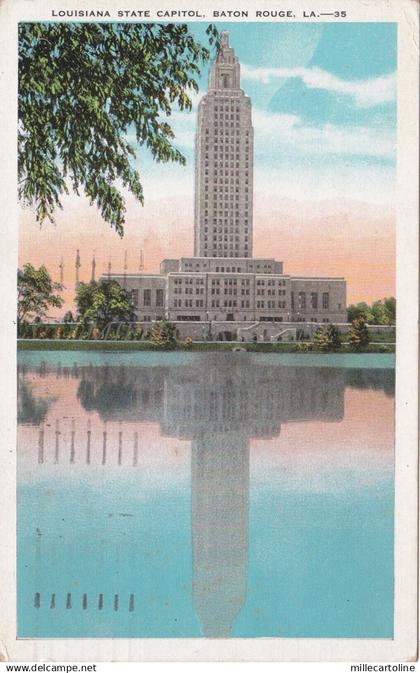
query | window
(314,299)
(325,300)
(301,300)
(159,297)
(135,297)
(147,297)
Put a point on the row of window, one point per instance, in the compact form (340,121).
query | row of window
(224,167)
(226,220)
(225,249)
(271,282)
(188,303)
(226,238)
(231,303)
(226,104)
(217,191)
(220,204)
(245,253)
(271,293)
(261,303)
(228,229)
(188,290)
(225,130)
(313,300)
(223,182)
(223,156)
(189,281)
(225,173)
(147,297)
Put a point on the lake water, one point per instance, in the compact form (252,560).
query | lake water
(205,494)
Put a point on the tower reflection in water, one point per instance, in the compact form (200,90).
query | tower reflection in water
(219,403)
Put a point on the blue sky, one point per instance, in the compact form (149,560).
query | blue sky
(324,108)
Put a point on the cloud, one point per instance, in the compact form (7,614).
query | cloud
(275,132)
(365,93)
(368,184)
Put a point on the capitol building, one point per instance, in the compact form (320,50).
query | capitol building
(223,292)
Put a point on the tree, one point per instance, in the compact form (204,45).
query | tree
(36,293)
(327,338)
(360,310)
(381,312)
(68,317)
(384,311)
(390,309)
(359,334)
(102,302)
(163,334)
(83,87)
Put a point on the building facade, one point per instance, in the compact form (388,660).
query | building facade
(224,163)
(223,282)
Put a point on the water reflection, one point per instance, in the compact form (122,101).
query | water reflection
(31,409)
(219,403)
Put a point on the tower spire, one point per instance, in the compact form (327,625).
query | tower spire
(61,267)
(225,71)
(77,265)
(93,267)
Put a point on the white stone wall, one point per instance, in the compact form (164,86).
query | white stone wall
(148,294)
(218,330)
(234,297)
(319,300)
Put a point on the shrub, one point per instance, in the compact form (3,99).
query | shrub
(327,339)
(358,334)
(163,334)
(304,347)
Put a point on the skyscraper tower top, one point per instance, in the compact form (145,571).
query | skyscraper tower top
(225,71)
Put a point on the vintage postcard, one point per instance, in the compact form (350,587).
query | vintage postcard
(211,453)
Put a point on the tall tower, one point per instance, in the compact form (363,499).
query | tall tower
(224,163)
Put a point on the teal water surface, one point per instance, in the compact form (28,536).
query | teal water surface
(218,495)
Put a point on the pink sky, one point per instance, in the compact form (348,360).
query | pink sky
(326,237)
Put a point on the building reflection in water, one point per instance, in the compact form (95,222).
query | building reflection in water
(218,402)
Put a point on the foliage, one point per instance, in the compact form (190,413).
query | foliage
(222,346)
(303,347)
(163,334)
(381,312)
(108,397)
(31,410)
(36,293)
(84,89)
(359,334)
(103,302)
(327,338)
(68,317)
